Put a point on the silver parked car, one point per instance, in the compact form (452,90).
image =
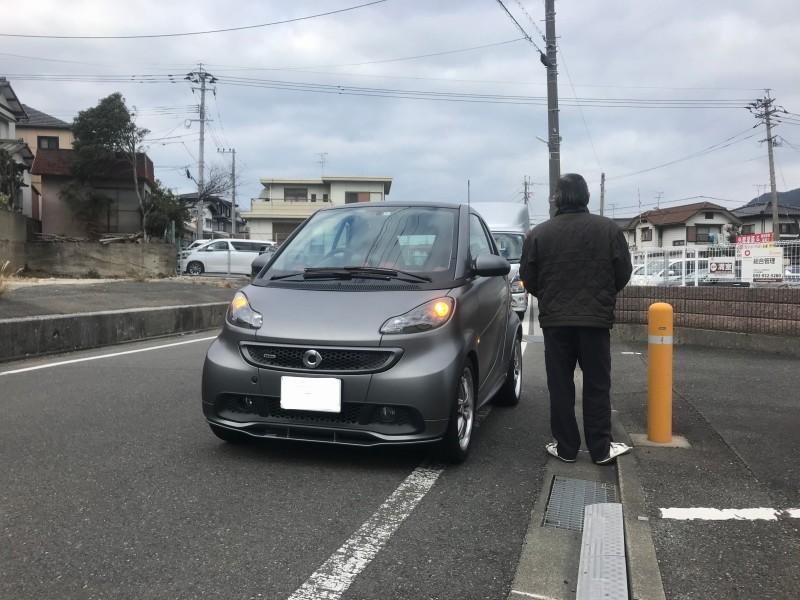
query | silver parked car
(373,324)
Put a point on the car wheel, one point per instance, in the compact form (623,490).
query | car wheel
(456,442)
(511,391)
(228,435)
(195,268)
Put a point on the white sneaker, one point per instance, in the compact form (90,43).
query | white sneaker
(615,449)
(552,450)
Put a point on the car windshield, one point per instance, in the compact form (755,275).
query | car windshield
(509,245)
(417,240)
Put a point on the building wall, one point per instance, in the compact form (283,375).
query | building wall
(339,188)
(672,234)
(78,259)
(30,136)
(59,219)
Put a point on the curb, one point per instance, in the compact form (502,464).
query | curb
(644,575)
(28,337)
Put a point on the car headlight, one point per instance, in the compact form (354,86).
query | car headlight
(517,286)
(241,313)
(425,317)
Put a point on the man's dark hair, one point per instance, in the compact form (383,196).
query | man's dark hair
(571,192)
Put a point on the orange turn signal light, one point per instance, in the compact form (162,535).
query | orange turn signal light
(441,309)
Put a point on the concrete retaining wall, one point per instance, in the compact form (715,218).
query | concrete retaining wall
(35,336)
(77,259)
(13,233)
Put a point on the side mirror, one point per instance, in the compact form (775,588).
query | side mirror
(491,265)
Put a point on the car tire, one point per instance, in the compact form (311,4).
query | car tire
(457,440)
(195,268)
(511,391)
(228,435)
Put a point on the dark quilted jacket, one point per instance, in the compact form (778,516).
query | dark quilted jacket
(575,264)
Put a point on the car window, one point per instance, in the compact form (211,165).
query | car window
(417,239)
(478,240)
(509,245)
(217,247)
(247,246)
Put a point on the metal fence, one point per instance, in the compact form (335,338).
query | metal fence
(725,264)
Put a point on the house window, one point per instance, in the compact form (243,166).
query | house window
(788,229)
(751,228)
(295,194)
(709,215)
(313,197)
(44,142)
(324,197)
(353,197)
(647,234)
(703,233)
(678,242)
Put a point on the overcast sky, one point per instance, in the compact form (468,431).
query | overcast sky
(711,51)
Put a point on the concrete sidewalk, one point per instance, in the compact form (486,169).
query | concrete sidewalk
(64,317)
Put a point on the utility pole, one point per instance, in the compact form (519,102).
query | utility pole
(323,158)
(764,109)
(553,136)
(234,219)
(602,193)
(526,194)
(659,196)
(201,77)
(468,193)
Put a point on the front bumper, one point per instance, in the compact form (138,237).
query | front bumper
(419,387)
(519,302)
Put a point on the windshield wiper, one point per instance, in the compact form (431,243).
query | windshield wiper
(353,271)
(391,273)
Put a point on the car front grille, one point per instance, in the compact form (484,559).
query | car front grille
(333,360)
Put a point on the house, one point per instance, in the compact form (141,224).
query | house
(114,183)
(702,223)
(217,221)
(756,215)
(285,203)
(40,131)
(12,111)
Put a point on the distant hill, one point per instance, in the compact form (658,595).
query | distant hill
(790,198)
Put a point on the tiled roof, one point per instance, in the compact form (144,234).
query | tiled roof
(765,209)
(17,147)
(59,163)
(676,215)
(40,120)
(11,98)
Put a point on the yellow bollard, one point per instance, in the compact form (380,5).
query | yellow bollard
(659,373)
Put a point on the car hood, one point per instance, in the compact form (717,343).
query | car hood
(299,315)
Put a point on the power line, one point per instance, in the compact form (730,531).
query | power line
(580,108)
(713,148)
(190,33)
(520,27)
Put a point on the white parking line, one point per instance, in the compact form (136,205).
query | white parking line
(100,356)
(529,595)
(337,573)
(728,514)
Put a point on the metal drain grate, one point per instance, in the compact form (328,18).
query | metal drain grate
(569,498)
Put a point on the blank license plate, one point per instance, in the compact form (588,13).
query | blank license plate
(306,393)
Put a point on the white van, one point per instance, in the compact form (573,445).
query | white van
(508,223)
(223,256)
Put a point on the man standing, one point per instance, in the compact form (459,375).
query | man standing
(575,264)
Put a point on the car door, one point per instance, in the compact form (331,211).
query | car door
(215,257)
(493,298)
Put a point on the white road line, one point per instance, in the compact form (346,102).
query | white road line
(337,573)
(728,514)
(529,595)
(100,356)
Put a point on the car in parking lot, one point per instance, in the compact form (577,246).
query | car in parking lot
(223,256)
(373,324)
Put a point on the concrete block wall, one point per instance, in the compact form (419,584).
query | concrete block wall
(77,259)
(767,310)
(13,233)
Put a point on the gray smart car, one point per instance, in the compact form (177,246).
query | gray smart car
(373,324)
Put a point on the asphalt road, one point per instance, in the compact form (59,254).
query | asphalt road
(113,487)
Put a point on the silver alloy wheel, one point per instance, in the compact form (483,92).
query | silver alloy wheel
(465,411)
(195,268)
(517,367)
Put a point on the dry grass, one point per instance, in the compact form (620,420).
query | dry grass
(5,275)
